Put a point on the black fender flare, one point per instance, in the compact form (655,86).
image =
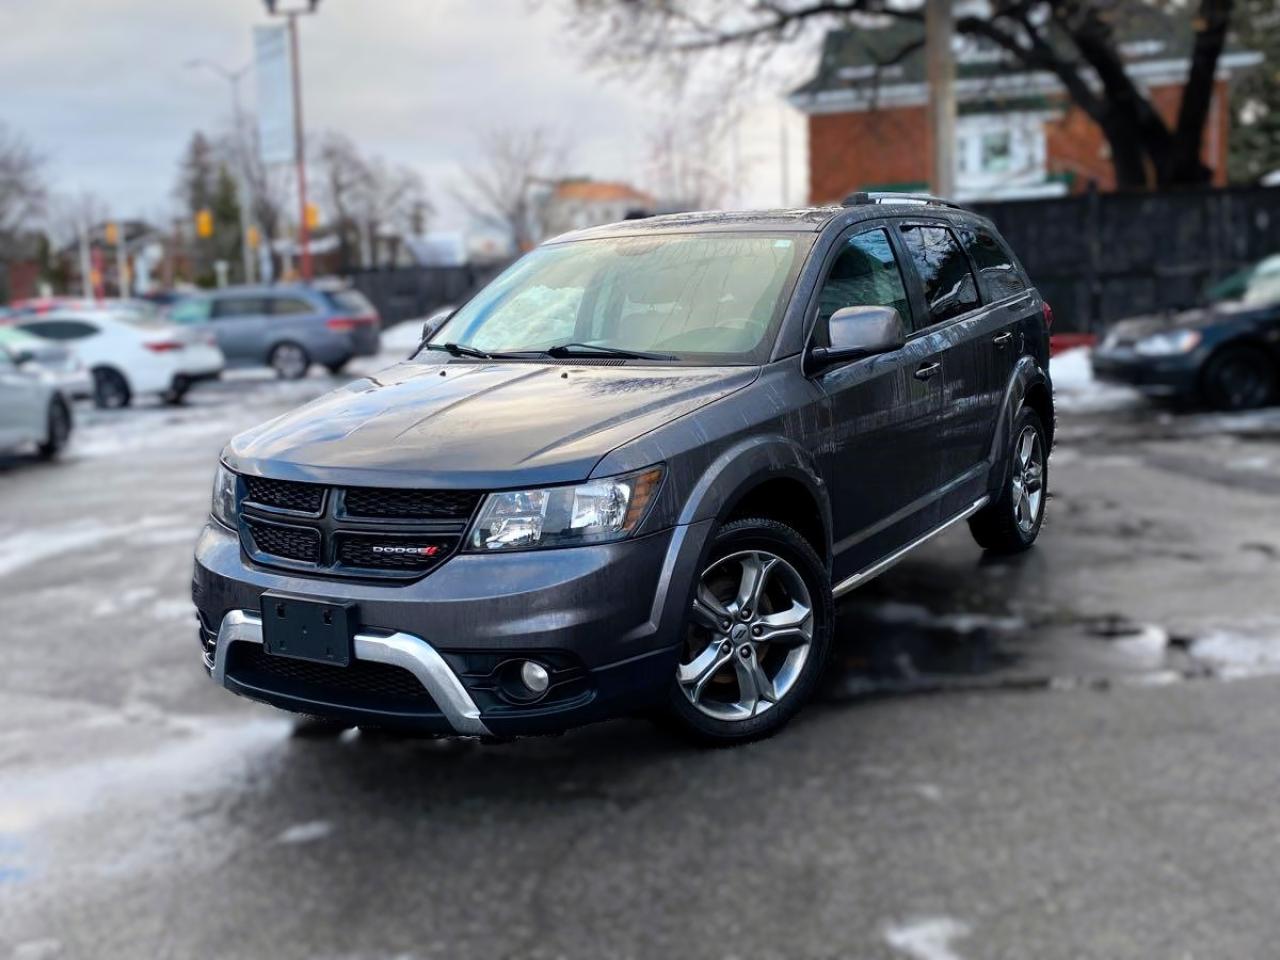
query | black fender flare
(1027,374)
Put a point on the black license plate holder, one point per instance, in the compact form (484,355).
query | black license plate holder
(315,630)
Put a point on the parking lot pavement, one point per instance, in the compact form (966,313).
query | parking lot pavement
(1089,776)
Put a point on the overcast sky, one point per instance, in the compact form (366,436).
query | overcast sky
(101,88)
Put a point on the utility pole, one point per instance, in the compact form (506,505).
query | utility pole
(86,260)
(299,145)
(940,70)
(233,78)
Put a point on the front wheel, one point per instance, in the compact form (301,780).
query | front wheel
(1239,378)
(1011,523)
(110,389)
(289,360)
(756,637)
(59,429)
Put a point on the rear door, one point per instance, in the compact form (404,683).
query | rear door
(240,324)
(1010,300)
(881,460)
(956,333)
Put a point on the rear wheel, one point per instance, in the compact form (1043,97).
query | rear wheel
(1239,378)
(1012,523)
(59,429)
(178,392)
(110,389)
(757,635)
(289,360)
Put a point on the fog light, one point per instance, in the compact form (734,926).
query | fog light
(535,677)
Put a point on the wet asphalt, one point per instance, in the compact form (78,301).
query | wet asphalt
(1069,754)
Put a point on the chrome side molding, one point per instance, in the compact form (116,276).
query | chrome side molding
(402,650)
(883,564)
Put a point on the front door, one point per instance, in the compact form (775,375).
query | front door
(241,326)
(881,460)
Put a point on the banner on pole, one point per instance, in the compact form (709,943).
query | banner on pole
(275,93)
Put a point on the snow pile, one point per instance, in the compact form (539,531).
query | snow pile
(402,339)
(1238,653)
(1076,390)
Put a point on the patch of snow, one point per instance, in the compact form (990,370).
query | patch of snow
(22,548)
(927,939)
(1234,653)
(402,339)
(125,600)
(306,832)
(1076,390)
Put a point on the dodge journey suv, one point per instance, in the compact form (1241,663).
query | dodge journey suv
(632,475)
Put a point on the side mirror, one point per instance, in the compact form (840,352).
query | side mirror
(856,332)
(435,321)
(21,357)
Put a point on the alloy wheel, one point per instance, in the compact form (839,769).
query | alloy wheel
(110,390)
(750,634)
(289,361)
(1028,479)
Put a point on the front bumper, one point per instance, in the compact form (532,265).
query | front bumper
(1161,376)
(606,619)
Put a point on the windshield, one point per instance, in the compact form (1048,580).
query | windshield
(697,298)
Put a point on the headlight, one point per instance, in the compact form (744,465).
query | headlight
(1167,344)
(224,497)
(592,512)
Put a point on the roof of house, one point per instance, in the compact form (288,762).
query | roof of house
(599,191)
(865,58)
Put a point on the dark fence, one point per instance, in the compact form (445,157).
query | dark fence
(1100,257)
(405,293)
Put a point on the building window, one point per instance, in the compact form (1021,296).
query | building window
(997,151)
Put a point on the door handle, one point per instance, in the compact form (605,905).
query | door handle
(928,370)
(1002,340)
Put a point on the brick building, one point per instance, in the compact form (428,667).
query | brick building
(1017,134)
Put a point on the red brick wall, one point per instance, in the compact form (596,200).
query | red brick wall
(852,150)
(848,151)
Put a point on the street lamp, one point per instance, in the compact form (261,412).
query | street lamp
(233,78)
(291,14)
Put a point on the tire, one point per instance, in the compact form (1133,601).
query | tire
(176,394)
(59,429)
(289,360)
(1239,378)
(110,389)
(1012,523)
(707,701)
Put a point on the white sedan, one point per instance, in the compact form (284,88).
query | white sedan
(131,354)
(32,410)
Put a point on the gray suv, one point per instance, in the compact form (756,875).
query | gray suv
(633,474)
(285,327)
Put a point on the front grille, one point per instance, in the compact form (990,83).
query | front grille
(374,552)
(284,494)
(291,543)
(363,683)
(410,504)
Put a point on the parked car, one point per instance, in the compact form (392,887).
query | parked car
(288,327)
(57,364)
(633,474)
(130,354)
(33,411)
(1224,355)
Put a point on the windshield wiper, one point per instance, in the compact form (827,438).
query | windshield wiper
(460,350)
(563,350)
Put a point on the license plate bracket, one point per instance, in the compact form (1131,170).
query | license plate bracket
(315,630)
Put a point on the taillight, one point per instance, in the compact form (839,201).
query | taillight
(350,323)
(163,346)
(1048,315)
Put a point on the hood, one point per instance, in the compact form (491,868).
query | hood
(476,425)
(1135,328)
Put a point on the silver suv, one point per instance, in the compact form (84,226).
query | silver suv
(286,327)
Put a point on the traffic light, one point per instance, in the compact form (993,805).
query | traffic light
(112,232)
(204,224)
(253,237)
(313,216)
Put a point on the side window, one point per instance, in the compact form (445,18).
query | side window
(234,308)
(60,329)
(290,306)
(949,288)
(998,275)
(865,273)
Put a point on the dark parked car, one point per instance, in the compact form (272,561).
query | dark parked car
(286,327)
(633,474)
(1225,355)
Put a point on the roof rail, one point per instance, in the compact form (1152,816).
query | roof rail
(885,196)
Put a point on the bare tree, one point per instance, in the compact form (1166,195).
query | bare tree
(687,166)
(501,186)
(368,197)
(1074,40)
(22,187)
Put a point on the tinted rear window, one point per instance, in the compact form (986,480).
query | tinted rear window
(350,301)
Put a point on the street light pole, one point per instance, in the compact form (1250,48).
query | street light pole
(299,144)
(233,78)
